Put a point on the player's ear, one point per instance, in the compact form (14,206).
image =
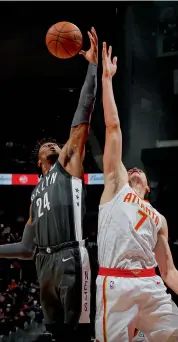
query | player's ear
(39,163)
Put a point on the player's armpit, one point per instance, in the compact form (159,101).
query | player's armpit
(73,152)
(75,164)
(165,261)
(114,181)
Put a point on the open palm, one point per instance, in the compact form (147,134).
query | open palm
(92,54)
(109,66)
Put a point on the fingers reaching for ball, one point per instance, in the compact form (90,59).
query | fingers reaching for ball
(64,40)
(93,38)
(92,54)
(109,65)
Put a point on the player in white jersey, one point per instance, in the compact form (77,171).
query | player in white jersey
(132,240)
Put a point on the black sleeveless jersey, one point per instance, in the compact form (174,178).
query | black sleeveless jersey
(58,208)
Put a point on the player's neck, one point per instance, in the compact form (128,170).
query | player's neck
(46,168)
(139,190)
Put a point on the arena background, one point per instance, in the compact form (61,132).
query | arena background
(39,94)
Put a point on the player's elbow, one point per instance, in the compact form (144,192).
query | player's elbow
(24,252)
(113,127)
(22,255)
(79,132)
(78,138)
(168,273)
(170,277)
(164,274)
(27,255)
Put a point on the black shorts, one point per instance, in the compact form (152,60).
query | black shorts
(64,279)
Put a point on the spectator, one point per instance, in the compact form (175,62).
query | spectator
(13,285)
(20,302)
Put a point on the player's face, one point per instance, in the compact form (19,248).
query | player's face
(48,152)
(138,176)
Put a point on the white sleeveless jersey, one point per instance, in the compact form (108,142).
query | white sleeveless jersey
(127,231)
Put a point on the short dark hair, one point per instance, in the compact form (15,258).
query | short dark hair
(39,143)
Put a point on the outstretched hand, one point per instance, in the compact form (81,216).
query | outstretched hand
(92,54)
(109,66)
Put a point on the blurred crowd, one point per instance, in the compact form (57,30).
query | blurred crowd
(19,306)
(19,290)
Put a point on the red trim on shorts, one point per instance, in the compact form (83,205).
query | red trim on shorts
(122,273)
(104,310)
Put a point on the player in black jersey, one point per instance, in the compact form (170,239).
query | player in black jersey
(55,223)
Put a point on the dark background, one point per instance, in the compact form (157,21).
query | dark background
(39,95)
(39,92)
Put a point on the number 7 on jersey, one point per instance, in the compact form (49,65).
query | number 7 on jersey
(143,218)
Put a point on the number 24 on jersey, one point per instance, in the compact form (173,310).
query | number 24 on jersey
(42,204)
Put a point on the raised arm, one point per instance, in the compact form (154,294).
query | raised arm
(164,258)
(23,249)
(115,174)
(72,154)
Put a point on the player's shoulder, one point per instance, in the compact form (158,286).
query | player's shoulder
(107,199)
(163,227)
(164,222)
(60,168)
(153,209)
(161,217)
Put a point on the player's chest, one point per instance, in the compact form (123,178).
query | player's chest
(141,216)
(47,184)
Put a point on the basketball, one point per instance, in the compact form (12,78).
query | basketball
(64,40)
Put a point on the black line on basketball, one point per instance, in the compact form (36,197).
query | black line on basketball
(70,40)
(58,36)
(54,40)
(61,27)
(66,49)
(52,34)
(71,31)
(57,49)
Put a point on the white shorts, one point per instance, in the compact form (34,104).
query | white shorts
(123,304)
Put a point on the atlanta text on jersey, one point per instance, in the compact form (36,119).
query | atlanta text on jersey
(132,198)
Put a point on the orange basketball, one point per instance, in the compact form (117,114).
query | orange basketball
(64,40)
